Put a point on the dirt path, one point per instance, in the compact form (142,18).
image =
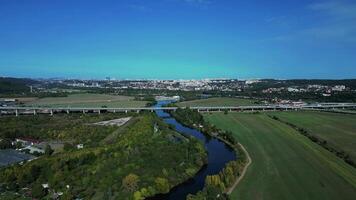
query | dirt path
(249,161)
(112,137)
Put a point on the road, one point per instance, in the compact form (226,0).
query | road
(271,107)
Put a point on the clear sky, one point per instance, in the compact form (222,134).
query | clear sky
(172,39)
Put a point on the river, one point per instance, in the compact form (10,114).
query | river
(219,154)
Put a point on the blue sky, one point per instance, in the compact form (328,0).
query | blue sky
(171,39)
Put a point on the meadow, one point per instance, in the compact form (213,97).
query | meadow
(219,101)
(339,130)
(285,164)
(88,100)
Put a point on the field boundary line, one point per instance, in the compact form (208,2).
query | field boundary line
(237,181)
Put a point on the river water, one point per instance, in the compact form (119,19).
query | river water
(219,154)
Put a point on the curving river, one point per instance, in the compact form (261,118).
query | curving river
(219,154)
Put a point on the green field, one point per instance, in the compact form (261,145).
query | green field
(285,164)
(88,100)
(339,130)
(219,101)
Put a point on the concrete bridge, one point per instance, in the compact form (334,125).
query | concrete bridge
(273,107)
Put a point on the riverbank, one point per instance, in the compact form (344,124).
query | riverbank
(228,178)
(249,161)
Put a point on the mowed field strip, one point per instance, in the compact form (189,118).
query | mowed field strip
(339,130)
(88,100)
(219,101)
(285,164)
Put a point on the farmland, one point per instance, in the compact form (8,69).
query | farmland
(219,101)
(339,130)
(87,100)
(285,164)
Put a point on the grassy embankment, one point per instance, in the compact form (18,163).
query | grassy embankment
(285,164)
(219,101)
(134,160)
(87,100)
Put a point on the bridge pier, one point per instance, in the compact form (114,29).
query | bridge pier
(34,112)
(99,112)
(138,111)
(51,112)
(125,111)
(68,111)
(17,113)
(83,111)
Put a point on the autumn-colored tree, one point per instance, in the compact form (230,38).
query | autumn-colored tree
(162,185)
(48,150)
(214,181)
(130,182)
(227,175)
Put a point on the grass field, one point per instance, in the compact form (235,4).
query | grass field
(339,130)
(219,101)
(285,164)
(88,100)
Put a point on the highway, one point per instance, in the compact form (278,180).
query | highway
(272,107)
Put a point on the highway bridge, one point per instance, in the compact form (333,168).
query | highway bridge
(272,107)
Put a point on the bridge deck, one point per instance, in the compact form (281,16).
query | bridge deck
(35,110)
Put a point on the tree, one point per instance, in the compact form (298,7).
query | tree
(67,146)
(227,175)
(38,191)
(48,150)
(162,185)
(130,182)
(18,145)
(138,196)
(214,181)
(5,144)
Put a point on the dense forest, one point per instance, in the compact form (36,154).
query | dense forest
(15,85)
(139,160)
(75,128)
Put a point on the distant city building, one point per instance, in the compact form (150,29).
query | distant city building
(338,88)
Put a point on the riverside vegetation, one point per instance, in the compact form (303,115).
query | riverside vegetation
(215,185)
(137,160)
